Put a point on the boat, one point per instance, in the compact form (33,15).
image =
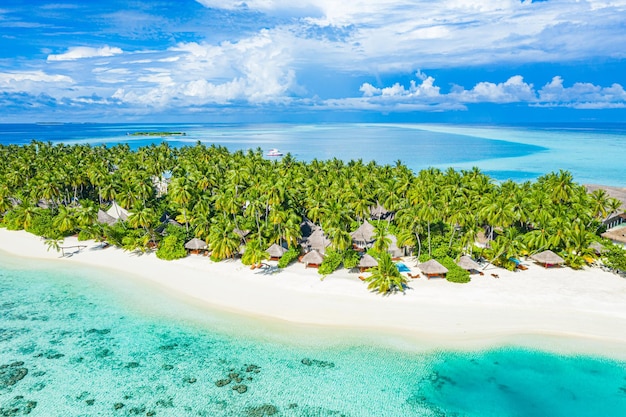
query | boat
(274,152)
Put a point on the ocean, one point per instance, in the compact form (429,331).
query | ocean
(78,342)
(593,153)
(84,342)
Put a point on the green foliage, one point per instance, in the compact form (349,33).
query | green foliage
(385,277)
(332,260)
(574,261)
(424,257)
(615,258)
(350,259)
(12,220)
(254,253)
(42,225)
(455,272)
(171,248)
(288,257)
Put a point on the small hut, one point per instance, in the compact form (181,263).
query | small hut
(312,259)
(363,237)
(276,252)
(468,264)
(433,268)
(367,262)
(195,245)
(547,258)
(317,241)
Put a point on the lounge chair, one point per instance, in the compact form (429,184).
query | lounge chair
(522,267)
(495,275)
(361,277)
(413,275)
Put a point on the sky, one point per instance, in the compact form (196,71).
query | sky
(470,61)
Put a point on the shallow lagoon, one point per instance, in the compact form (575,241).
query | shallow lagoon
(592,152)
(97,344)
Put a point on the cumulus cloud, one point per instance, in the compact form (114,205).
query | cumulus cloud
(80,52)
(254,70)
(425,95)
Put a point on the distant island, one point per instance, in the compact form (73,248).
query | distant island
(157,134)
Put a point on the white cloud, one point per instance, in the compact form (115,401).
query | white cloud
(80,52)
(25,80)
(255,70)
(426,95)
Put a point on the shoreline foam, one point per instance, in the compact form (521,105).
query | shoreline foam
(557,310)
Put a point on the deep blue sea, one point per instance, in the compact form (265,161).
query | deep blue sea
(79,342)
(593,153)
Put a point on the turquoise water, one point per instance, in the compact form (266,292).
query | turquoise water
(591,152)
(80,343)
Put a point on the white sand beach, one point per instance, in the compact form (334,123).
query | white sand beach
(557,309)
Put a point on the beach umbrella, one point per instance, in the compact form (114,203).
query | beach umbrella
(312,258)
(105,218)
(367,261)
(468,263)
(547,257)
(195,244)
(432,267)
(276,251)
(118,212)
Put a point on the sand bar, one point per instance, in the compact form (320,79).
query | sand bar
(556,309)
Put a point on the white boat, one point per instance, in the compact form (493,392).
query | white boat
(274,152)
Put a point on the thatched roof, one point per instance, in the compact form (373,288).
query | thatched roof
(276,251)
(616,235)
(378,212)
(313,258)
(365,233)
(367,261)
(317,241)
(548,257)
(105,218)
(468,263)
(195,244)
(118,212)
(432,267)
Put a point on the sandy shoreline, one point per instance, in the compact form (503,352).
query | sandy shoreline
(556,309)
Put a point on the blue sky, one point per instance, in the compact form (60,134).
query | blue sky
(313,60)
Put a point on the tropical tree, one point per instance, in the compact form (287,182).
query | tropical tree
(385,277)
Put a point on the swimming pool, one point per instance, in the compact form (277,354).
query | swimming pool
(402,267)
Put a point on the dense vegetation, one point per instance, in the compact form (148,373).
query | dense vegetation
(57,190)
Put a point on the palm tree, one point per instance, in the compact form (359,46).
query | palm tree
(254,254)
(385,277)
